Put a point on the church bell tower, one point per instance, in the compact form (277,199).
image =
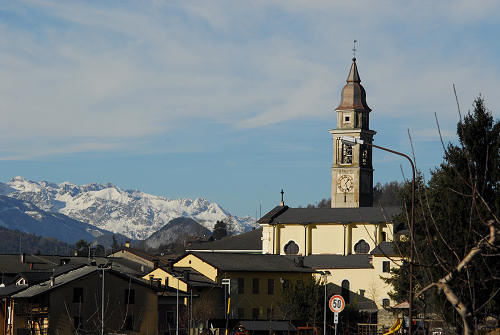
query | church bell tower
(352,170)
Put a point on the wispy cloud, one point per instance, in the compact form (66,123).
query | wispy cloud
(74,71)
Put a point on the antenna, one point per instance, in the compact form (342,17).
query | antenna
(354,49)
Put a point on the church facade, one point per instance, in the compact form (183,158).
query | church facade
(351,242)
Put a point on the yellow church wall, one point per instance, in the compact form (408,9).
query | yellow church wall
(172,281)
(294,233)
(267,239)
(367,232)
(362,279)
(191,261)
(327,239)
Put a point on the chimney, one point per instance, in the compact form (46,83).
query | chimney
(170,265)
(52,281)
(155,263)
(127,244)
(151,279)
(166,281)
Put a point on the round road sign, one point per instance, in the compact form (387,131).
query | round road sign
(336,303)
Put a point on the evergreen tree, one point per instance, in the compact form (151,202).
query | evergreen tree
(452,210)
(220,230)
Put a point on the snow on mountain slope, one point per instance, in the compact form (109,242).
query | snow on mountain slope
(132,213)
(26,217)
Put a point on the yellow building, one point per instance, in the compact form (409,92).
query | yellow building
(254,282)
(352,241)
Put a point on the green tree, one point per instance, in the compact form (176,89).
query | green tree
(220,230)
(82,247)
(302,301)
(456,256)
(114,246)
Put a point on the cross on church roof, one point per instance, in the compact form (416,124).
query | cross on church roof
(282,203)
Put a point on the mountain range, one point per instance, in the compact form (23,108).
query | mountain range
(103,209)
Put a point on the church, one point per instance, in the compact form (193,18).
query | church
(351,242)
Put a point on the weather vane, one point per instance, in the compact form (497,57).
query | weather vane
(354,49)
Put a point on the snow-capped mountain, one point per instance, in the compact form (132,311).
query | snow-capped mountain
(132,213)
(26,217)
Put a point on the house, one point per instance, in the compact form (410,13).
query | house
(74,301)
(252,281)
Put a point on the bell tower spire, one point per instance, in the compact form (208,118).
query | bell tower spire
(352,171)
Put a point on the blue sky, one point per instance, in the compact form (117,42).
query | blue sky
(231,100)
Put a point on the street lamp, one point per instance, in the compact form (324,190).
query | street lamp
(177,305)
(349,140)
(227,282)
(324,274)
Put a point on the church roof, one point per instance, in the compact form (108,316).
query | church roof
(384,249)
(356,261)
(353,93)
(287,215)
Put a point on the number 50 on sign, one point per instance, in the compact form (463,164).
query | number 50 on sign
(336,304)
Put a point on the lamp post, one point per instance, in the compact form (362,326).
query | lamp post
(349,140)
(324,274)
(103,268)
(227,282)
(177,305)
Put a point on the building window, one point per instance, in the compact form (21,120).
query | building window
(129,322)
(255,286)
(77,294)
(347,119)
(255,313)
(386,266)
(241,313)
(270,286)
(129,296)
(291,248)
(345,291)
(241,285)
(346,154)
(384,236)
(77,322)
(361,247)
(362,293)
(386,302)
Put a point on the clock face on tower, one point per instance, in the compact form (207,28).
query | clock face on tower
(345,183)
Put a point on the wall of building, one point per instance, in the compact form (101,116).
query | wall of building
(191,261)
(318,239)
(171,280)
(267,304)
(63,310)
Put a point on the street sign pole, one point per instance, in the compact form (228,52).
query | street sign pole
(336,304)
(336,320)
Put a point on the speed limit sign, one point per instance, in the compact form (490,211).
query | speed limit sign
(336,303)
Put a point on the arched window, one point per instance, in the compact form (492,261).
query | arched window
(361,247)
(291,248)
(345,290)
